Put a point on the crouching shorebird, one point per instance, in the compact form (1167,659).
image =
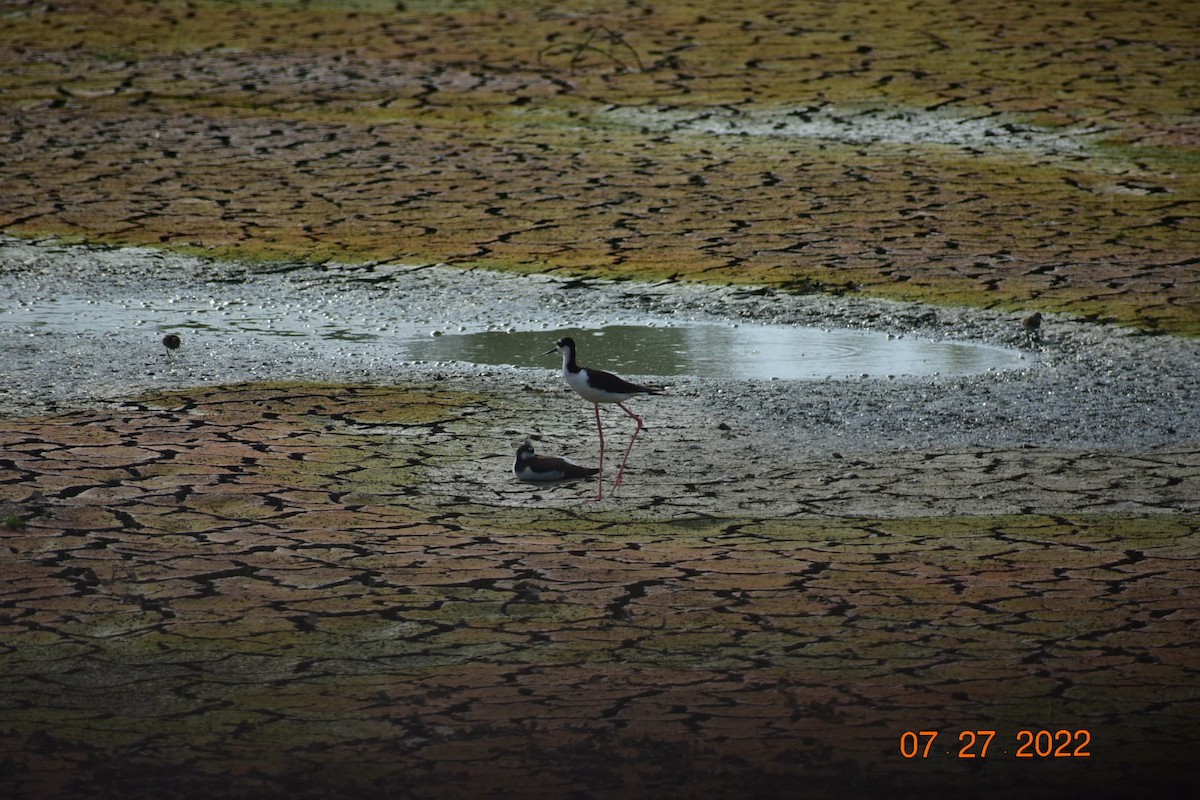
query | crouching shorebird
(597,386)
(532,468)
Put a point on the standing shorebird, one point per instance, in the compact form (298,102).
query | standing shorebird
(532,468)
(1033,326)
(597,386)
(171,341)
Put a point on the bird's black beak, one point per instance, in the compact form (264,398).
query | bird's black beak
(551,350)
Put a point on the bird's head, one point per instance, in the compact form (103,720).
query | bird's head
(563,345)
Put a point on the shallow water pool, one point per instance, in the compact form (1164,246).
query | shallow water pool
(347,328)
(725,351)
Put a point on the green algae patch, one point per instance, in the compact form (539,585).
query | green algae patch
(600,524)
(363,404)
(311,437)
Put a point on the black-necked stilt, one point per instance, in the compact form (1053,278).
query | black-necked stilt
(171,341)
(532,468)
(597,386)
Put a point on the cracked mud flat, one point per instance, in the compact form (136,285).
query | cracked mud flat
(269,567)
(328,586)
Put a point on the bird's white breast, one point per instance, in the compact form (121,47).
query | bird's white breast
(524,473)
(579,382)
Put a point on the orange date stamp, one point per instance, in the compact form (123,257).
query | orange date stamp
(1043,743)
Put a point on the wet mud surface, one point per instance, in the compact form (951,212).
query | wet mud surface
(285,567)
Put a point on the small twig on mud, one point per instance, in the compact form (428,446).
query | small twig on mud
(578,50)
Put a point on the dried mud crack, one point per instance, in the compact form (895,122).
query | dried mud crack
(298,589)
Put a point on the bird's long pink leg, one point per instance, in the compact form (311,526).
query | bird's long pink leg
(600,474)
(629,449)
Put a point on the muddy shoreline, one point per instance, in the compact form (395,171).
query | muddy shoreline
(1086,386)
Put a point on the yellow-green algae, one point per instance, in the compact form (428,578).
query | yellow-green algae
(475,178)
(298,454)
(356,403)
